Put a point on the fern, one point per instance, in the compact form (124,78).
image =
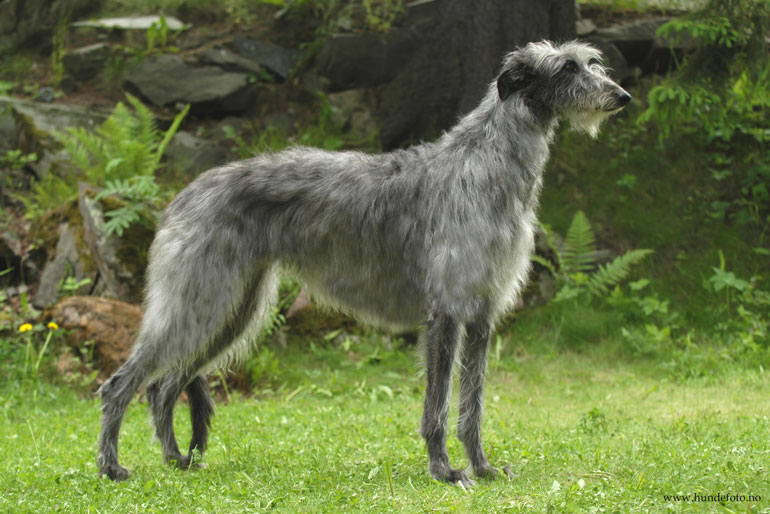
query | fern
(140,196)
(123,155)
(576,270)
(579,246)
(127,144)
(609,275)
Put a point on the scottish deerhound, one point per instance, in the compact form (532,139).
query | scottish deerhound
(440,234)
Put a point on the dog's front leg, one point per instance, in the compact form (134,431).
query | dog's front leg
(443,336)
(474,363)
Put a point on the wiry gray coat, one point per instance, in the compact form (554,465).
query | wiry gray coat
(440,233)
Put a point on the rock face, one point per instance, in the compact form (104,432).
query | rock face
(67,262)
(110,324)
(458,54)
(119,280)
(31,22)
(166,79)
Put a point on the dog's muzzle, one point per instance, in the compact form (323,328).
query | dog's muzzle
(620,98)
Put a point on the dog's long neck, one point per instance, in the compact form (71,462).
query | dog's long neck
(498,132)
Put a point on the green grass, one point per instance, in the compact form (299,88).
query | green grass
(584,431)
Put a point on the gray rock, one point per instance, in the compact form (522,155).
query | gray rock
(67,262)
(642,47)
(86,62)
(166,80)
(313,83)
(365,59)
(131,23)
(191,155)
(634,40)
(228,60)
(31,22)
(584,27)
(277,59)
(49,118)
(58,161)
(119,282)
(34,125)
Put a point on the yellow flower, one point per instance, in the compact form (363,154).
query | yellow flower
(26,327)
(53,326)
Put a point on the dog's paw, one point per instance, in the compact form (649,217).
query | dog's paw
(457,477)
(185,462)
(114,472)
(180,461)
(486,471)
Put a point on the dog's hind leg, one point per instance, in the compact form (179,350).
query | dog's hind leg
(244,322)
(473,367)
(116,394)
(162,395)
(442,338)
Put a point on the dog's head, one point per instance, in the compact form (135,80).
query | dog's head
(567,80)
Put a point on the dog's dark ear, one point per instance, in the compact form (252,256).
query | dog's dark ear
(514,79)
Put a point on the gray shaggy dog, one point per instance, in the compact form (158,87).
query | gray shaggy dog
(439,234)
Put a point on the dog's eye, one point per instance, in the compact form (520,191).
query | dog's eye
(571,67)
(594,61)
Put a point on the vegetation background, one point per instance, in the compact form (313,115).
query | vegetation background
(637,383)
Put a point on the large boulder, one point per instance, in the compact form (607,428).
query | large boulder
(166,79)
(458,54)
(110,325)
(642,47)
(31,22)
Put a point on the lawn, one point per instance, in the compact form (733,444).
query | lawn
(336,430)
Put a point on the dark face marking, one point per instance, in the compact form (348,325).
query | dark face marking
(514,79)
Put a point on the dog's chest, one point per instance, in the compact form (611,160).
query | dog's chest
(511,265)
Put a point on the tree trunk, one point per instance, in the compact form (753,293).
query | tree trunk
(458,56)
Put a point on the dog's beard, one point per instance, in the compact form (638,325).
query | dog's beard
(588,120)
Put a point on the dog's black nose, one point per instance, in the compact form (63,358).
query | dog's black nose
(622,98)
